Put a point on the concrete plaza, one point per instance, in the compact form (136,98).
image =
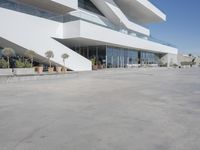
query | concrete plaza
(122,109)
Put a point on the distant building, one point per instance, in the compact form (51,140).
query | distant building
(188,60)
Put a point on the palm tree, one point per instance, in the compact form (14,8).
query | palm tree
(49,55)
(64,57)
(8,52)
(30,54)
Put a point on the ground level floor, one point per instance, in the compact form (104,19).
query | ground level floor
(113,109)
(115,57)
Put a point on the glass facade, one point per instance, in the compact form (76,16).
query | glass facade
(120,57)
(115,57)
(91,52)
(31,10)
(88,5)
(149,58)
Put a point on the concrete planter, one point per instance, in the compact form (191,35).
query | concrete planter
(100,66)
(6,72)
(64,70)
(59,69)
(94,67)
(39,70)
(51,70)
(23,71)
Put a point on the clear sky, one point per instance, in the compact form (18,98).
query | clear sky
(183,24)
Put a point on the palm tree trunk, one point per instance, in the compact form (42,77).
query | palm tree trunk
(64,65)
(64,62)
(8,62)
(49,63)
(31,62)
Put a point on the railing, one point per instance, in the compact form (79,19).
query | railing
(161,42)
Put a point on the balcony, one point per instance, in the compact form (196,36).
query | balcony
(104,22)
(85,33)
(99,20)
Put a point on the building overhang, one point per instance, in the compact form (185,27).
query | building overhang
(141,11)
(76,33)
(56,6)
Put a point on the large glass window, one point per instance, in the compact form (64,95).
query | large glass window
(91,52)
(149,58)
(88,5)
(28,9)
(115,57)
(119,57)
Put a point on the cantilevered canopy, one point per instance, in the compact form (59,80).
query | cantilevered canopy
(141,11)
(56,6)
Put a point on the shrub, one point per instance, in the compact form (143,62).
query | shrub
(94,61)
(27,65)
(3,63)
(20,64)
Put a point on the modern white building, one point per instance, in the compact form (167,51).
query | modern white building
(112,31)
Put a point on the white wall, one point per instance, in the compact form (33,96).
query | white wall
(169,59)
(107,36)
(36,34)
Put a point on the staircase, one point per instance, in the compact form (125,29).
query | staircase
(38,34)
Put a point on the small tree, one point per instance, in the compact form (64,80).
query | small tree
(94,60)
(64,57)
(49,55)
(30,55)
(8,52)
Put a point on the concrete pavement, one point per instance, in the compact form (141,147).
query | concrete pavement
(122,109)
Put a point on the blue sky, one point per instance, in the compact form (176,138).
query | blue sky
(183,24)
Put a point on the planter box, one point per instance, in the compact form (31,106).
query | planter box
(50,70)
(23,71)
(100,66)
(59,69)
(6,72)
(94,67)
(39,70)
(64,70)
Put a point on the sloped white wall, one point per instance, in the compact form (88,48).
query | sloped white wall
(36,33)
